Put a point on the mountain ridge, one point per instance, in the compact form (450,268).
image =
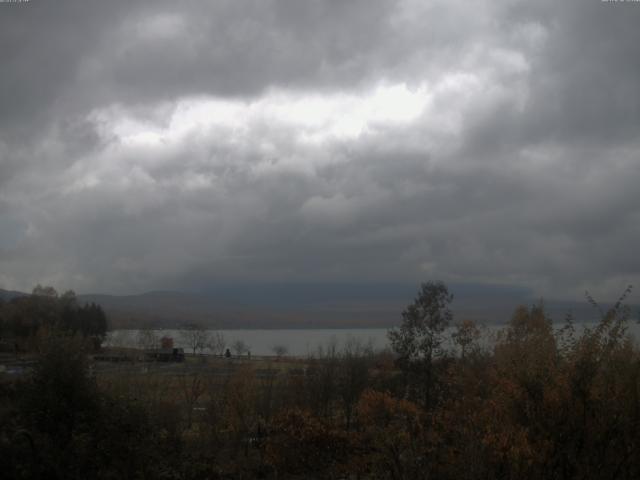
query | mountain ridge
(311,306)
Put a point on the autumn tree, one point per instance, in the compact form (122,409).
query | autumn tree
(45,309)
(392,442)
(240,347)
(466,335)
(279,350)
(302,444)
(69,428)
(353,375)
(418,341)
(195,337)
(322,378)
(217,343)
(147,339)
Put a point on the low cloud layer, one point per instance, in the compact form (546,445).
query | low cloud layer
(148,145)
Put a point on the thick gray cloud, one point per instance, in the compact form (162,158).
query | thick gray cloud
(159,144)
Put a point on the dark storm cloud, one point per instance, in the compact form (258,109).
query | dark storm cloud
(79,52)
(155,144)
(241,48)
(588,76)
(43,46)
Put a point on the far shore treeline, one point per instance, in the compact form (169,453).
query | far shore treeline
(537,403)
(24,317)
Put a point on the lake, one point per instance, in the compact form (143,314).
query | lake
(298,342)
(304,342)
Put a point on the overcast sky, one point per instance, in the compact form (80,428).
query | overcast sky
(153,145)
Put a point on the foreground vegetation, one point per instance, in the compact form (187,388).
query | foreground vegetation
(538,403)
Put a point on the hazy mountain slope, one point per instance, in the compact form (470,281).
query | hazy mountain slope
(7,295)
(312,306)
(315,306)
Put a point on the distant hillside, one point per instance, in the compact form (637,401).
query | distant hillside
(166,309)
(312,306)
(315,306)
(7,295)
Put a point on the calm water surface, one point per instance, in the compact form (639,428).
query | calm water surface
(298,342)
(303,342)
